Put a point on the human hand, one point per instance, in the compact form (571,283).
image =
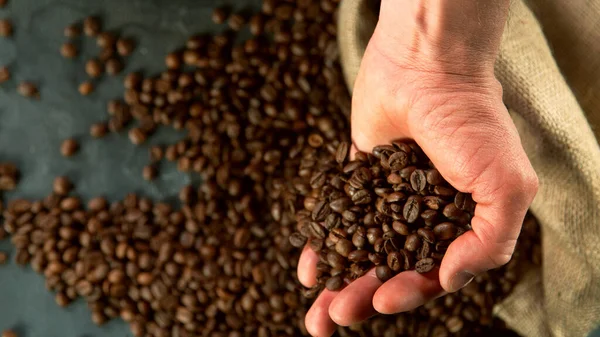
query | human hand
(449,102)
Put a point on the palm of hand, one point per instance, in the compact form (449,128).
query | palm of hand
(462,125)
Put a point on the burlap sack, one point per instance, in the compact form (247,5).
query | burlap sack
(549,66)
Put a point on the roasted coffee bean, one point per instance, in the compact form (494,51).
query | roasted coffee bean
(397,161)
(28,89)
(412,208)
(464,202)
(400,228)
(434,177)
(359,255)
(394,261)
(236,22)
(334,283)
(426,234)
(335,260)
(340,205)
(6,28)
(445,231)
(137,136)
(424,265)
(342,152)
(219,15)
(297,240)
(91,26)
(105,40)
(383,273)
(454,324)
(9,333)
(86,88)
(69,147)
(62,186)
(418,180)
(68,50)
(93,68)
(113,66)
(343,247)
(3,258)
(125,46)
(98,130)
(72,31)
(412,243)
(4,74)
(149,172)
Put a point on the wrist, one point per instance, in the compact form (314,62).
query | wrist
(452,36)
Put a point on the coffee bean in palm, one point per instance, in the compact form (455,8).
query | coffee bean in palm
(395,261)
(383,272)
(297,240)
(418,180)
(424,265)
(334,283)
(412,208)
(445,231)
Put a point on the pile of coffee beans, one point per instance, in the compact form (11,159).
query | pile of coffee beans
(262,121)
(389,209)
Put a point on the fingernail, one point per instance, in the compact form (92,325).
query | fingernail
(460,280)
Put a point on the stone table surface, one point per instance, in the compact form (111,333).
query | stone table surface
(31,130)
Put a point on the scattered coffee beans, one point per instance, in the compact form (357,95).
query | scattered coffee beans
(69,147)
(105,40)
(68,50)
(6,28)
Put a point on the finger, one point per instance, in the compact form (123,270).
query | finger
(317,320)
(307,267)
(355,302)
(479,151)
(407,291)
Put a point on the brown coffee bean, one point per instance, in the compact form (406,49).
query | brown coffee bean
(6,28)
(464,202)
(113,66)
(424,265)
(400,228)
(62,186)
(137,136)
(394,261)
(69,147)
(236,22)
(343,247)
(68,50)
(445,231)
(383,273)
(93,68)
(98,130)
(454,324)
(9,333)
(145,279)
(426,234)
(412,243)
(412,208)
(297,240)
(173,61)
(418,180)
(72,31)
(334,283)
(149,172)
(91,26)
(28,89)
(105,40)
(4,74)
(86,88)
(219,15)
(3,258)
(434,177)
(359,255)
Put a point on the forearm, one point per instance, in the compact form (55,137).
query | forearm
(454,31)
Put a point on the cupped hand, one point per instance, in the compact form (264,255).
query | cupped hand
(454,111)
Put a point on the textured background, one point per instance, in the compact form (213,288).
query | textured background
(31,131)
